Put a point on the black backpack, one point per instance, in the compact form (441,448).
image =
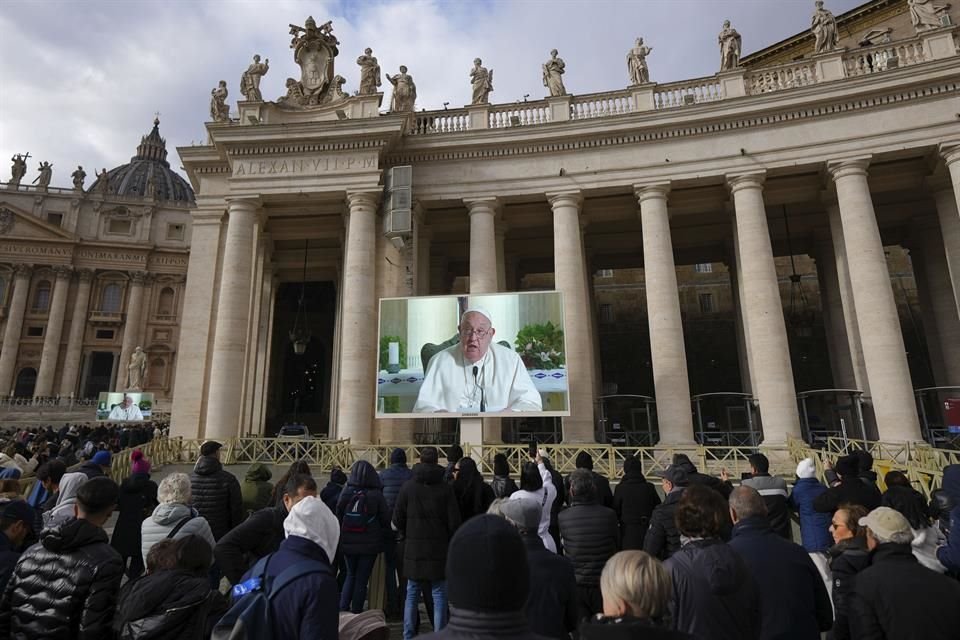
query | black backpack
(356,519)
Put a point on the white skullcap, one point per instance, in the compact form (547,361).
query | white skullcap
(807,468)
(481,311)
(311,519)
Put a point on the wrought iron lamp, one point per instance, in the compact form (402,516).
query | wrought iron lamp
(300,334)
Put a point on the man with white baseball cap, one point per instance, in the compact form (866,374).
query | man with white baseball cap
(896,596)
(476,374)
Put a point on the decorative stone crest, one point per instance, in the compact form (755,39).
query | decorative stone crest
(7,219)
(314,50)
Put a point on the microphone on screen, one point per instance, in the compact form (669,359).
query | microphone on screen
(476,380)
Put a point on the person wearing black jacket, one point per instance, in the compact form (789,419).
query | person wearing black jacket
(590,536)
(330,494)
(793,599)
(426,516)
(65,587)
(216,491)
(773,490)
(682,461)
(634,501)
(393,478)
(365,519)
(662,539)
(502,484)
(551,607)
(850,490)
(848,557)
(17,521)
(602,484)
(474,495)
(261,533)
(138,498)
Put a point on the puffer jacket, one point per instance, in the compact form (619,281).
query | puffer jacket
(714,595)
(216,495)
(814,525)
(392,478)
(138,499)
(847,558)
(165,518)
(166,605)
(590,536)
(369,542)
(426,515)
(949,554)
(773,490)
(64,587)
(503,486)
(663,539)
(256,489)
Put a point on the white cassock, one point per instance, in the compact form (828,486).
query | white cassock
(449,383)
(122,413)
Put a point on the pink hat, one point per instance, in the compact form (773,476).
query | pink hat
(140,464)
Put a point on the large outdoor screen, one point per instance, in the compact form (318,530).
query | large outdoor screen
(449,356)
(131,406)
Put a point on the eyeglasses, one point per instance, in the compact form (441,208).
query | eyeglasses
(480,334)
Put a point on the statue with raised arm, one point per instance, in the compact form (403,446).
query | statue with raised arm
(250,80)
(482,82)
(553,70)
(46,173)
(824,28)
(729,47)
(78,177)
(369,72)
(19,168)
(103,183)
(637,63)
(925,15)
(136,370)
(219,111)
(404,91)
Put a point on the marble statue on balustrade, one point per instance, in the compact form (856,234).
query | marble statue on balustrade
(730,43)
(103,184)
(553,70)
(19,169)
(78,177)
(369,72)
(637,63)
(136,370)
(404,96)
(926,15)
(824,28)
(46,173)
(219,111)
(481,79)
(250,80)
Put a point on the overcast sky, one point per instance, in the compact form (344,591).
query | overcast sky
(81,80)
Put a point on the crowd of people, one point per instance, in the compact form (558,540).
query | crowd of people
(540,556)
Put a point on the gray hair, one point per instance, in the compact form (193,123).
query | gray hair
(747,502)
(174,489)
(897,537)
(581,484)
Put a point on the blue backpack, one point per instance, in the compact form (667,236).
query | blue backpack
(249,616)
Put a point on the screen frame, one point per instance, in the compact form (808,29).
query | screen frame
(455,414)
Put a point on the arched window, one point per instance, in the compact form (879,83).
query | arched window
(110,298)
(41,296)
(165,303)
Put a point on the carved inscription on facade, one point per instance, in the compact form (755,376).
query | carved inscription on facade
(304,165)
(111,255)
(35,250)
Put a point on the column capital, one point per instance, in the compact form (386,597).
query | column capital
(658,191)
(357,200)
(486,204)
(851,167)
(22,270)
(950,151)
(243,202)
(755,180)
(63,271)
(85,275)
(139,277)
(565,198)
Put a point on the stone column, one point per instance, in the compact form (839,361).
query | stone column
(570,279)
(483,245)
(667,352)
(54,331)
(943,306)
(894,405)
(766,330)
(949,217)
(11,333)
(131,325)
(841,362)
(233,317)
(358,327)
(78,325)
(501,234)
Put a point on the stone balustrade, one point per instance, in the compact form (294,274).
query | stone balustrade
(428,122)
(881,57)
(688,92)
(598,105)
(784,76)
(527,113)
(112,197)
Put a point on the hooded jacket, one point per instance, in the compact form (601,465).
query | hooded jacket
(814,525)
(330,494)
(394,477)
(256,491)
(256,537)
(165,518)
(166,605)
(66,499)
(216,495)
(138,499)
(714,595)
(949,554)
(426,515)
(634,501)
(64,587)
(364,479)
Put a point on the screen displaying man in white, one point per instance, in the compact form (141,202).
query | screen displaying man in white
(477,375)
(128,410)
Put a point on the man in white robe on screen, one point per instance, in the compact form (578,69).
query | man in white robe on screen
(127,410)
(477,375)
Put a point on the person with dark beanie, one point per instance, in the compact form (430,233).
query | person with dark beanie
(330,494)
(393,478)
(850,490)
(488,583)
(634,501)
(502,484)
(474,495)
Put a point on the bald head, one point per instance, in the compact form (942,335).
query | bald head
(745,502)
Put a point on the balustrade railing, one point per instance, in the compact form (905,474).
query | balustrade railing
(599,105)
(429,122)
(881,57)
(688,92)
(112,197)
(518,114)
(786,76)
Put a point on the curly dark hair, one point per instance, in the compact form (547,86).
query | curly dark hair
(701,513)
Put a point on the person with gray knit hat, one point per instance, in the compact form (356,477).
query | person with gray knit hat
(488,582)
(551,606)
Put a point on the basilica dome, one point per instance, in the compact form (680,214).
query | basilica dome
(148,169)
